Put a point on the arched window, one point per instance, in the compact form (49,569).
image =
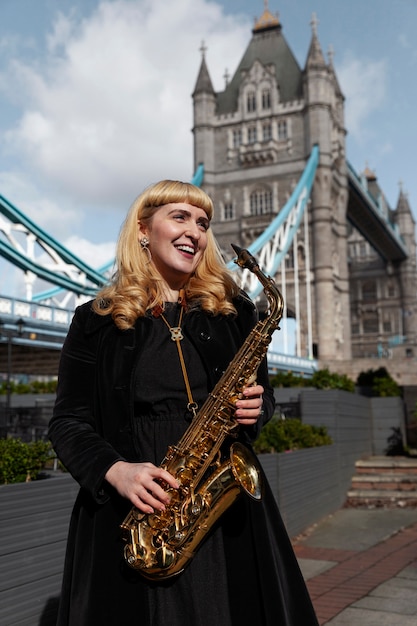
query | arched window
(228,211)
(237,137)
(282,130)
(251,101)
(252,134)
(267,131)
(266,98)
(261,202)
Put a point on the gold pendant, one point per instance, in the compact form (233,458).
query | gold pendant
(176,334)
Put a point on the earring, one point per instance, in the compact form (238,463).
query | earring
(144,242)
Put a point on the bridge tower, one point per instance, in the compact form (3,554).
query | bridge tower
(254,139)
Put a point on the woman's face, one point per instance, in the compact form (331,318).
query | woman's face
(177,236)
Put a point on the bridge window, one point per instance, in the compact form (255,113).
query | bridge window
(267,132)
(251,102)
(261,202)
(228,211)
(266,98)
(282,130)
(387,326)
(370,324)
(369,292)
(252,134)
(237,137)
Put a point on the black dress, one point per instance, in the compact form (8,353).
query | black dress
(244,574)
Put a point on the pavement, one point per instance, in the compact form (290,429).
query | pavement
(360,566)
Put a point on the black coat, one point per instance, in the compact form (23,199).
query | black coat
(91,430)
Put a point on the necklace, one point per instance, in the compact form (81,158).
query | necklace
(177,336)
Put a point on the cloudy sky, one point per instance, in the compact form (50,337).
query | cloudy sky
(95,97)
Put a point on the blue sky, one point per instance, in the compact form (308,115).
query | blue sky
(95,97)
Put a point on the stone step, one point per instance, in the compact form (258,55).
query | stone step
(381,497)
(400,482)
(383,464)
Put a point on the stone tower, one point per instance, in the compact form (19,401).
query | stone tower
(255,138)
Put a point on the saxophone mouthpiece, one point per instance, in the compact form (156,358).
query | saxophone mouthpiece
(244,258)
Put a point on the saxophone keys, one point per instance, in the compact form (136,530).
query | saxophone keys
(165,557)
(160,520)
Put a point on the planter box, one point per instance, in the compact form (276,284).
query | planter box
(306,484)
(33,532)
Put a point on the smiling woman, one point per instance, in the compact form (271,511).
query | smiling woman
(177,235)
(136,366)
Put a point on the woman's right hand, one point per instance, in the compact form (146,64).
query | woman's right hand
(138,483)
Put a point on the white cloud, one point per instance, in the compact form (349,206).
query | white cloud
(110,110)
(95,255)
(364,84)
(49,214)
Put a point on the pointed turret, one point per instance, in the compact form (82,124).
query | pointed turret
(205,102)
(315,57)
(203,84)
(403,217)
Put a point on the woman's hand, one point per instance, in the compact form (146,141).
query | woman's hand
(138,483)
(249,408)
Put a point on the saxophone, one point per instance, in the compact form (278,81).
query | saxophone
(161,544)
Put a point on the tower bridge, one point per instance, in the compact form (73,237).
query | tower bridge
(270,150)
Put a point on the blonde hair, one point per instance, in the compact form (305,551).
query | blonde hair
(137,285)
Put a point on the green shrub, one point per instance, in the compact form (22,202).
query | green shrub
(36,386)
(324,379)
(290,434)
(321,379)
(22,462)
(380,381)
(288,379)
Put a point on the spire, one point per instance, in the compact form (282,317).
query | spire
(267,21)
(315,56)
(403,205)
(203,84)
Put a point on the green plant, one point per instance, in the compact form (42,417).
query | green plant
(290,434)
(324,379)
(288,379)
(22,462)
(321,379)
(36,386)
(380,381)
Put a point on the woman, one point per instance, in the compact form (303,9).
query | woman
(124,397)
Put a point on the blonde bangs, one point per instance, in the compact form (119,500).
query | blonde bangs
(173,191)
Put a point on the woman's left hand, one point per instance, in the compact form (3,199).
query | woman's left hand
(249,408)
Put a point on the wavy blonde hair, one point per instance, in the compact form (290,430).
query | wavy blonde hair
(137,285)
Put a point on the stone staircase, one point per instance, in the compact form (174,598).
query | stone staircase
(384,481)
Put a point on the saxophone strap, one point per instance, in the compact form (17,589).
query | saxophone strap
(177,336)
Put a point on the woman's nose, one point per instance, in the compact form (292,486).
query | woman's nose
(193,230)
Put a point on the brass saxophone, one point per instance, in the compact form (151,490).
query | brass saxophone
(161,544)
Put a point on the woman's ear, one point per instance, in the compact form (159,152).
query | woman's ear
(142,230)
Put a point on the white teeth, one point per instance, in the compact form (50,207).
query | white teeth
(184,248)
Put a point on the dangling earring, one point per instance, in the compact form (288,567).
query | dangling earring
(144,242)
